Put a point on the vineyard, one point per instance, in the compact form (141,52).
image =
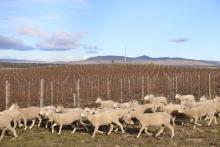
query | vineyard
(82,84)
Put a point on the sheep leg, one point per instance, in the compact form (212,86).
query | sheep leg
(207,117)
(120,125)
(149,134)
(53,127)
(116,130)
(40,120)
(196,119)
(141,129)
(60,129)
(20,124)
(95,130)
(100,131)
(33,122)
(171,129)
(210,121)
(173,120)
(161,130)
(3,133)
(84,125)
(15,124)
(110,130)
(46,125)
(12,130)
(215,120)
(74,130)
(218,114)
(25,124)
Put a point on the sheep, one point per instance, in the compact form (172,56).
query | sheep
(63,119)
(126,104)
(203,99)
(64,110)
(152,99)
(5,124)
(44,110)
(152,119)
(201,110)
(12,114)
(184,98)
(170,108)
(75,110)
(105,104)
(30,113)
(102,118)
(121,113)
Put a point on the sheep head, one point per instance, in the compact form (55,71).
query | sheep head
(177,96)
(98,100)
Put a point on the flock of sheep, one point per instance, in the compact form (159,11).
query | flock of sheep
(155,112)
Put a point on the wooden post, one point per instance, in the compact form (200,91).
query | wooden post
(78,93)
(142,87)
(129,88)
(121,91)
(148,89)
(199,85)
(74,99)
(7,94)
(108,89)
(98,86)
(176,86)
(210,92)
(29,93)
(51,93)
(41,92)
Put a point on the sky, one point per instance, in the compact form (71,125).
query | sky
(69,30)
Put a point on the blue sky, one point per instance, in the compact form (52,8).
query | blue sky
(66,30)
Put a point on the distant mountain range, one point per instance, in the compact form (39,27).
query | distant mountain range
(131,60)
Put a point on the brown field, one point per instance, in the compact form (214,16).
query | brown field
(125,82)
(116,82)
(184,136)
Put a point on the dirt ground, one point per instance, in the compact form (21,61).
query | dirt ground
(184,136)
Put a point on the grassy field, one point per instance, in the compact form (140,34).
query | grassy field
(184,136)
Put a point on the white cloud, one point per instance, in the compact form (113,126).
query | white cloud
(32,30)
(60,41)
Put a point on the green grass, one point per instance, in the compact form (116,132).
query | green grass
(184,136)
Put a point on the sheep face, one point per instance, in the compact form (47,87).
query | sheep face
(115,105)
(177,96)
(182,109)
(98,100)
(203,98)
(131,113)
(13,107)
(147,97)
(86,112)
(59,109)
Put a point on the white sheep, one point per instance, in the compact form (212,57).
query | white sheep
(201,110)
(30,113)
(102,118)
(63,119)
(5,124)
(184,98)
(152,99)
(44,110)
(77,112)
(152,119)
(170,108)
(14,115)
(105,104)
(126,104)
(203,99)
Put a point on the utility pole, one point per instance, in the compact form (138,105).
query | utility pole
(125,55)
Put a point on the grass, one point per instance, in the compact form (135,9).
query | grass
(184,136)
